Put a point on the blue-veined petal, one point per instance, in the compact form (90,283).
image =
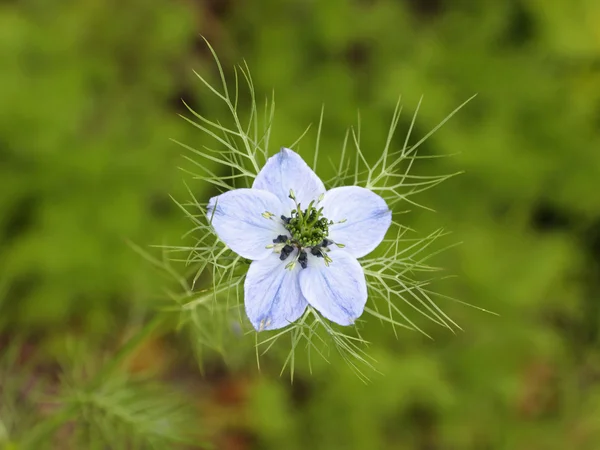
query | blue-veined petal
(272,293)
(237,217)
(287,170)
(365,214)
(337,291)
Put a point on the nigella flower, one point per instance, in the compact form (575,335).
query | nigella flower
(303,241)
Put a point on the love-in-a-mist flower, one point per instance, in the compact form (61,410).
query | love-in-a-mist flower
(303,241)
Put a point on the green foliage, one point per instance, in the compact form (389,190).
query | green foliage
(125,414)
(108,410)
(89,96)
(85,158)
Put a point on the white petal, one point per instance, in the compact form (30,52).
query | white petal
(367,218)
(272,293)
(237,218)
(337,291)
(287,170)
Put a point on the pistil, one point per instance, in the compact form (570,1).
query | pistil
(308,232)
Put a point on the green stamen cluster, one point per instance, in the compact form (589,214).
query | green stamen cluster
(308,228)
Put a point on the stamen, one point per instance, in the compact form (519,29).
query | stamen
(303,259)
(308,231)
(285,252)
(340,245)
(267,214)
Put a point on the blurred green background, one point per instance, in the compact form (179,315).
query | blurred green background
(89,97)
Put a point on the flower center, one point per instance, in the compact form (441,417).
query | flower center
(308,231)
(308,227)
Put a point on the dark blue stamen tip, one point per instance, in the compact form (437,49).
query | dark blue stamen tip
(286,220)
(285,252)
(280,239)
(316,251)
(303,259)
(326,242)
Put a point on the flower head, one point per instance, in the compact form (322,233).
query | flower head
(303,241)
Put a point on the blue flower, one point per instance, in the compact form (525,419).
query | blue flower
(303,241)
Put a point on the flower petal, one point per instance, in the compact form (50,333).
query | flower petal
(287,170)
(272,294)
(237,218)
(367,218)
(337,291)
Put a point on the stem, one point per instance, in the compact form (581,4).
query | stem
(128,348)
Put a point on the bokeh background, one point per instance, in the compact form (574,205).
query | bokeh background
(89,97)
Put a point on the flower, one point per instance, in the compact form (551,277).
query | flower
(303,241)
